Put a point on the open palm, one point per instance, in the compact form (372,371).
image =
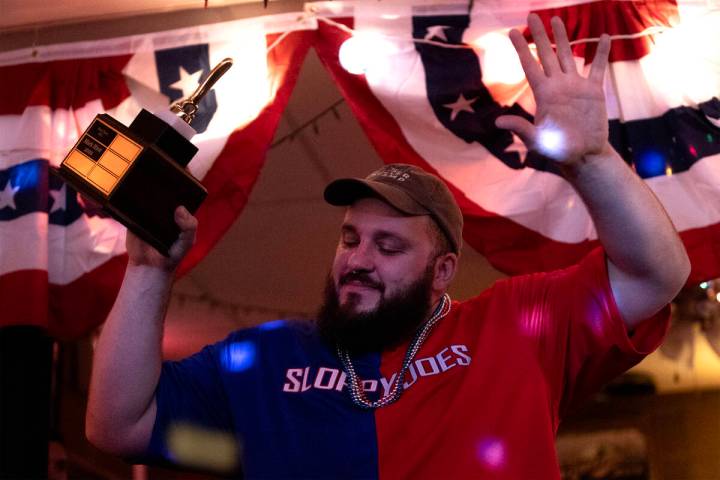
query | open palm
(570,119)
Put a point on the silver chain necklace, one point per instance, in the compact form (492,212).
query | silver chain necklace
(357,392)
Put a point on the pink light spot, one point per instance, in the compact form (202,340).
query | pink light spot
(491,453)
(693,151)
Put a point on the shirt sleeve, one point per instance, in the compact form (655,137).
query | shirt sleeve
(191,399)
(578,333)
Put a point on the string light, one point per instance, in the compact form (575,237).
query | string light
(311,122)
(359,53)
(498,60)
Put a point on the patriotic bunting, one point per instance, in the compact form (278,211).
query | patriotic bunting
(434,78)
(439,75)
(61,260)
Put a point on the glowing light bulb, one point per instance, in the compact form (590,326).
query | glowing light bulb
(499,62)
(717,297)
(650,163)
(704,285)
(362,52)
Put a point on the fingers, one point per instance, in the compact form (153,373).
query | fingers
(547,56)
(599,64)
(529,65)
(524,129)
(184,219)
(551,62)
(188,227)
(562,44)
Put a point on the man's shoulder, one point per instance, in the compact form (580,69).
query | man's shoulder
(284,330)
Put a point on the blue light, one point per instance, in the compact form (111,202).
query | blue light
(238,356)
(704,285)
(650,163)
(26,175)
(275,324)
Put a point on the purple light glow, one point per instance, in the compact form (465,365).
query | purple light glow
(491,453)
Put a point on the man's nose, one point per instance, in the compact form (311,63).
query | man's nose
(361,258)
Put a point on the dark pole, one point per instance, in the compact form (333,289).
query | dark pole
(25,377)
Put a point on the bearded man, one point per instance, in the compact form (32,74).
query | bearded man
(396,380)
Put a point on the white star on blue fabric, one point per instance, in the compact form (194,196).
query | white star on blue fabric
(7,196)
(436,31)
(462,104)
(188,82)
(59,198)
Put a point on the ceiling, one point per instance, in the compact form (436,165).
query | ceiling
(21,14)
(273,261)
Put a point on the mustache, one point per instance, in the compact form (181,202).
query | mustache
(362,277)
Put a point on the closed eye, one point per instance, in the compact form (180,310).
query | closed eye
(390,250)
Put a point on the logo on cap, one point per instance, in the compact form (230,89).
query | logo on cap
(392,173)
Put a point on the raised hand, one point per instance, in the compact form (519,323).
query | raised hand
(570,120)
(140,253)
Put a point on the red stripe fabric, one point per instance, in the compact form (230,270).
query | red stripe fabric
(24,296)
(236,169)
(63,84)
(80,306)
(590,20)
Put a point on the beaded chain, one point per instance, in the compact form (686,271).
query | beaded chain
(357,392)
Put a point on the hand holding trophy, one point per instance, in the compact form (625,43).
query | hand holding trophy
(138,173)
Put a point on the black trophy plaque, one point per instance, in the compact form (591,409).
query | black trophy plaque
(137,173)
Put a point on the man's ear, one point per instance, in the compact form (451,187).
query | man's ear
(444,271)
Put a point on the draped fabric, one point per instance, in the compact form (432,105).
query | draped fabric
(437,78)
(61,259)
(439,75)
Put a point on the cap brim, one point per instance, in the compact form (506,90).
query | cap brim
(347,191)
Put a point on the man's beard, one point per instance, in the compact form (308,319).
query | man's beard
(393,321)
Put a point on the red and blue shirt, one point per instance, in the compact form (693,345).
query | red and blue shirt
(483,397)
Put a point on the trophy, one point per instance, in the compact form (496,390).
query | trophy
(137,173)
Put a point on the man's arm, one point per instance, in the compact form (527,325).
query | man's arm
(126,368)
(647,262)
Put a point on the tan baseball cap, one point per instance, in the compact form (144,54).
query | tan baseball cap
(409,189)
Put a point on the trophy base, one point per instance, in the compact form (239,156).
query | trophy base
(134,181)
